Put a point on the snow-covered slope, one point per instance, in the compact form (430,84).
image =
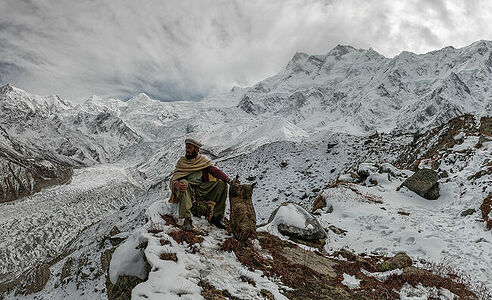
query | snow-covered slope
(371,92)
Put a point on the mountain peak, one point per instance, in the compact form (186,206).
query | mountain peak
(341,50)
(141,98)
(8,88)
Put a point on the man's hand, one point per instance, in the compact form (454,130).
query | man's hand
(181,185)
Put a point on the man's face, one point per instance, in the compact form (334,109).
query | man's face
(191,151)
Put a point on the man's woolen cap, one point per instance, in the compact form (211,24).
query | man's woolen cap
(193,142)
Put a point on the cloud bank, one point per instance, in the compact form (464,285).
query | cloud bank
(182,50)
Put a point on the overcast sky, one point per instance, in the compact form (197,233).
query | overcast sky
(175,50)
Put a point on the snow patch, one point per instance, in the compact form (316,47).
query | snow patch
(350,281)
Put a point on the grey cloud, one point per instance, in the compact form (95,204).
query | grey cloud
(176,50)
(435,9)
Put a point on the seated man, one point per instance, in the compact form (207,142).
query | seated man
(195,173)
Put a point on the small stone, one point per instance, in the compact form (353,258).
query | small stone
(468,212)
(251,178)
(337,230)
(267,294)
(444,174)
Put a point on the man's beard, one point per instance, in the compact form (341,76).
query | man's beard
(192,155)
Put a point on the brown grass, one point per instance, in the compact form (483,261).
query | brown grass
(486,208)
(169,256)
(309,284)
(248,280)
(209,292)
(170,220)
(155,227)
(191,237)
(165,242)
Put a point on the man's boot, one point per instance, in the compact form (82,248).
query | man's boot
(188,224)
(217,221)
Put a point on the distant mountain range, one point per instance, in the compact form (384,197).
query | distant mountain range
(361,89)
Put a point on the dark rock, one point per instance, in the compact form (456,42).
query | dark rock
(435,164)
(444,174)
(433,193)
(468,212)
(106,259)
(399,261)
(486,126)
(122,290)
(115,241)
(337,230)
(283,164)
(318,203)
(251,178)
(424,183)
(66,270)
(36,279)
(114,231)
(267,294)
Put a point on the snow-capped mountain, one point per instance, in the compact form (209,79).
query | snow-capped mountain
(357,86)
(55,128)
(296,135)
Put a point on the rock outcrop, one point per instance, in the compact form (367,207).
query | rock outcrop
(424,183)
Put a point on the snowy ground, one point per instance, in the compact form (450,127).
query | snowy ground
(433,231)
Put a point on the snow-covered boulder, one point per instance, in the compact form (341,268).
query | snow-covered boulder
(292,220)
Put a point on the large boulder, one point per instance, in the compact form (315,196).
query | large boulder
(424,183)
(294,221)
